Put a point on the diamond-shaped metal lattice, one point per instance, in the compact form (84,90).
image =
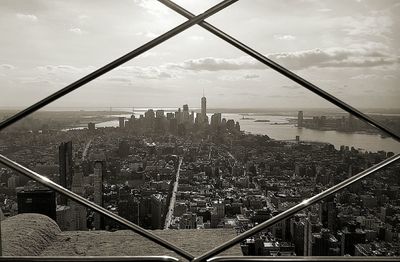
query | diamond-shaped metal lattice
(192,20)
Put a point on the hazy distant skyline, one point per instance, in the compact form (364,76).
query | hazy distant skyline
(351,48)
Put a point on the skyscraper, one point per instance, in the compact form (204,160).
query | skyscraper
(99,168)
(300,119)
(91,126)
(178,116)
(160,113)
(65,167)
(216,119)
(149,117)
(186,115)
(78,216)
(204,109)
(121,122)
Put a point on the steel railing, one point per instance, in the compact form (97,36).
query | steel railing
(302,259)
(288,213)
(261,58)
(282,70)
(180,28)
(215,259)
(83,201)
(295,209)
(88,259)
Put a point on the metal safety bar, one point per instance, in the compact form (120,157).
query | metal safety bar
(295,209)
(302,259)
(101,71)
(83,201)
(282,70)
(88,259)
(193,20)
(1,242)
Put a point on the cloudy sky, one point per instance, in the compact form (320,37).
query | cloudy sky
(349,48)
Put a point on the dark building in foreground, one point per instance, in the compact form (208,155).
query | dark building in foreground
(37,201)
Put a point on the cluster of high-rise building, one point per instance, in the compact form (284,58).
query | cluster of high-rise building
(208,176)
(181,122)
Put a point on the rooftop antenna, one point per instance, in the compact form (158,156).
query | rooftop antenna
(203,91)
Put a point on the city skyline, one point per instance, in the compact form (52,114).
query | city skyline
(354,57)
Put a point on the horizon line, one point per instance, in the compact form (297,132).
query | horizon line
(226,107)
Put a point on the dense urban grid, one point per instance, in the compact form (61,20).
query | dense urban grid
(181,170)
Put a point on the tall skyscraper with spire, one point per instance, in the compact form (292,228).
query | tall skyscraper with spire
(204,109)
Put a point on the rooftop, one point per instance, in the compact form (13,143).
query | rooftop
(34,234)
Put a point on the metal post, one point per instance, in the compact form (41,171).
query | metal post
(123,59)
(1,239)
(280,69)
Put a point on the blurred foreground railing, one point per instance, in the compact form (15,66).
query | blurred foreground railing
(295,209)
(83,201)
(215,259)
(261,58)
(90,259)
(303,259)
(289,212)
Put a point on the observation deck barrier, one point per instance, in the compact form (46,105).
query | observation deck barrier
(209,255)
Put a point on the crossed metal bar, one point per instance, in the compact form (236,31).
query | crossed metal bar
(83,201)
(230,243)
(282,70)
(45,181)
(88,259)
(303,259)
(123,59)
(263,59)
(295,209)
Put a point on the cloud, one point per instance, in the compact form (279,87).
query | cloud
(120,74)
(235,77)
(7,67)
(291,87)
(373,76)
(76,30)
(251,76)
(29,80)
(364,76)
(247,94)
(120,80)
(390,77)
(335,57)
(27,17)
(320,58)
(217,64)
(56,69)
(376,24)
(147,34)
(149,72)
(155,54)
(324,10)
(196,38)
(284,37)
(152,7)
(83,17)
